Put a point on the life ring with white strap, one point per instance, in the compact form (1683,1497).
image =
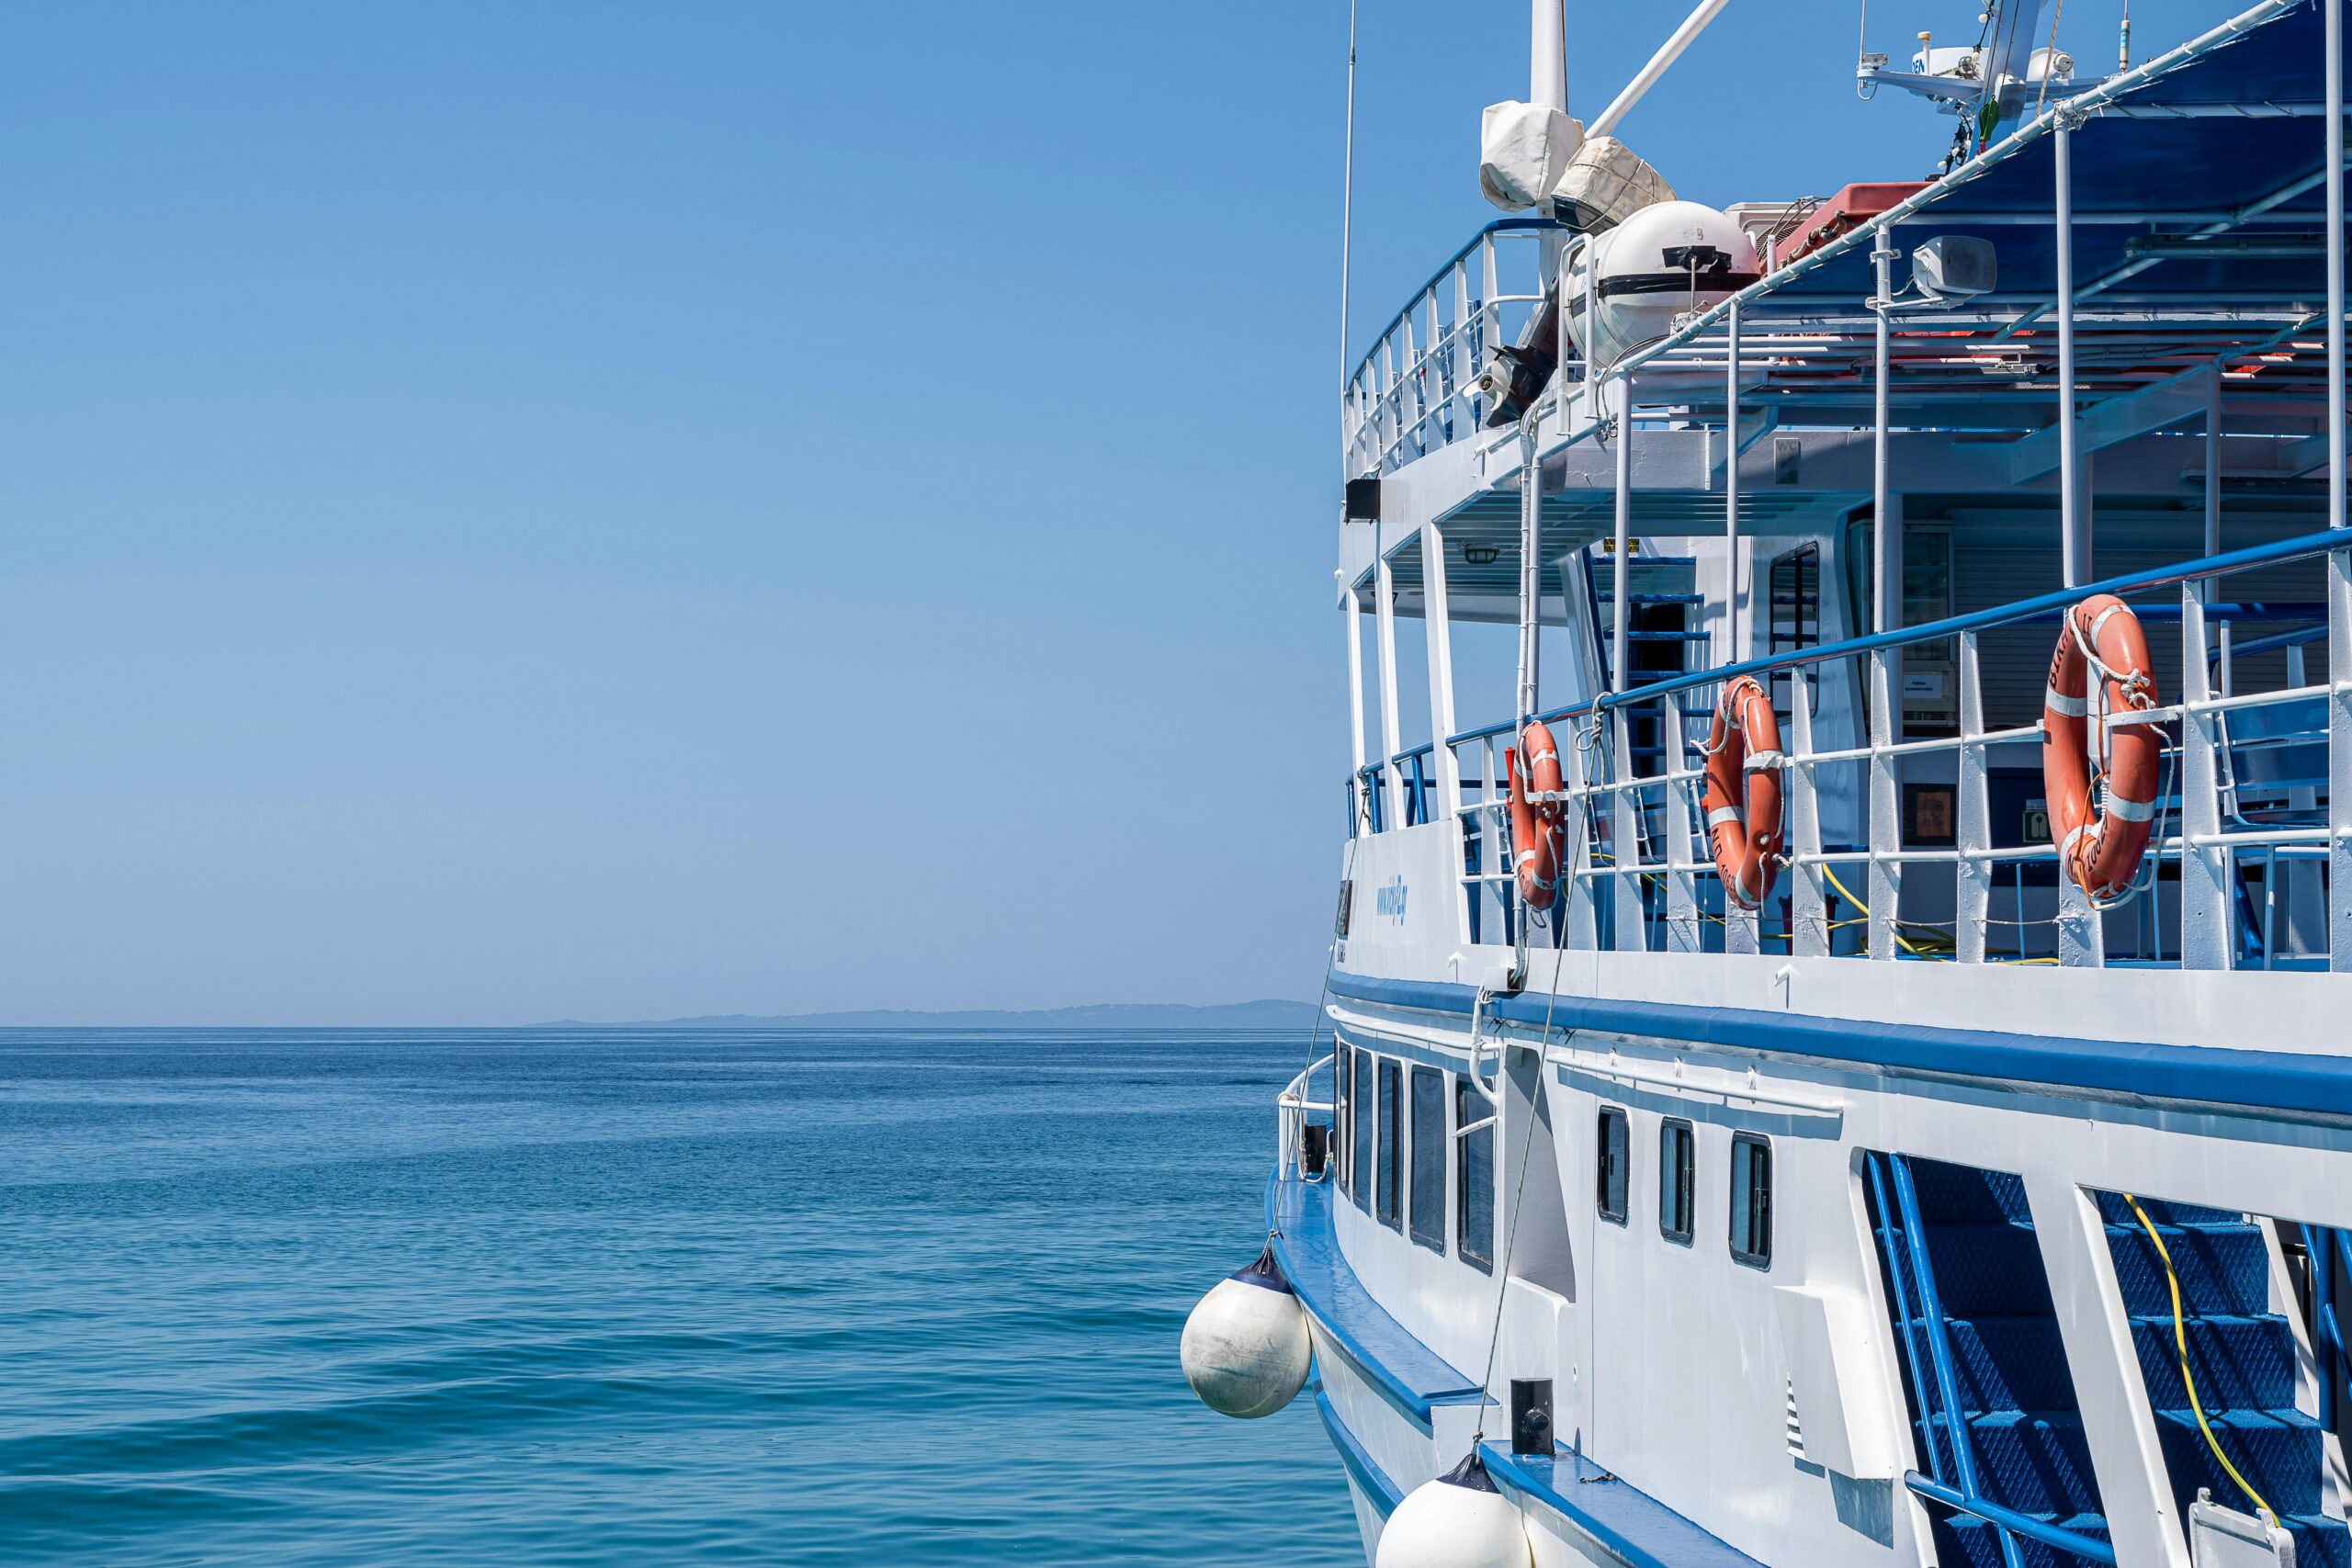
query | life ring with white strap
(1535,768)
(2102,821)
(1742,799)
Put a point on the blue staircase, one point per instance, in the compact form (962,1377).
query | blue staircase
(2243,1355)
(1992,1403)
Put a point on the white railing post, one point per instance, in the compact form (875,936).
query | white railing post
(2206,873)
(1582,893)
(2339,565)
(1808,910)
(1391,732)
(1681,882)
(2082,937)
(1437,626)
(1465,349)
(1973,877)
(1490,310)
(1633,930)
(1885,807)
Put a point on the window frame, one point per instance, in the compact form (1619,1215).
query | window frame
(1387,1200)
(1678,1179)
(1757,1211)
(1359,1101)
(1482,1258)
(1604,1144)
(1423,1205)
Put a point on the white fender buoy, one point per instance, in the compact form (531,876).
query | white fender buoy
(1246,1350)
(1459,1520)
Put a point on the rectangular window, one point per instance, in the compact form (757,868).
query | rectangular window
(1341,1065)
(1360,1140)
(1474,1161)
(1752,1200)
(1677,1157)
(1392,1150)
(1428,1158)
(1611,1185)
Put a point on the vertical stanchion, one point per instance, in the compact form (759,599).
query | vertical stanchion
(1885,835)
(1619,605)
(1740,933)
(2339,563)
(1391,741)
(2081,940)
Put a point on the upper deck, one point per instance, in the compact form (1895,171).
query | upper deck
(1709,505)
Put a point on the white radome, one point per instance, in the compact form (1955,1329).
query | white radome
(1246,1349)
(1459,1520)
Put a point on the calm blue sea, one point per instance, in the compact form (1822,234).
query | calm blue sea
(585,1298)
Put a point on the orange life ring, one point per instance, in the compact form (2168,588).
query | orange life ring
(1742,799)
(2101,844)
(1535,825)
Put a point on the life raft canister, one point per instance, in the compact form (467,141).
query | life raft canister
(1742,799)
(1534,766)
(2100,843)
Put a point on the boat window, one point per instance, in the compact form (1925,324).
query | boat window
(1428,1158)
(1612,1177)
(1474,1220)
(1392,1140)
(1751,1199)
(1360,1149)
(1677,1152)
(1796,614)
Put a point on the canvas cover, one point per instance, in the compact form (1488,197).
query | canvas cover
(1523,149)
(1605,183)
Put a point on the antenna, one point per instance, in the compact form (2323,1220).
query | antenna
(1348,196)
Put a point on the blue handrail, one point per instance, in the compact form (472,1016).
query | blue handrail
(1890,1235)
(2301,547)
(2025,1525)
(1499,226)
(1931,1315)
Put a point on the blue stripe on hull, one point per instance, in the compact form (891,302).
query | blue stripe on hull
(2274,1082)
(1381,1492)
(1407,1373)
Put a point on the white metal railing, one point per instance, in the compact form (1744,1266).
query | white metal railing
(1292,1111)
(1413,393)
(1641,876)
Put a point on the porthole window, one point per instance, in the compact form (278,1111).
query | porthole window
(1609,1184)
(1677,1158)
(1752,1200)
(1474,1177)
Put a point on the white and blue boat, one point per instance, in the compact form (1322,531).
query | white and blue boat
(1846,1063)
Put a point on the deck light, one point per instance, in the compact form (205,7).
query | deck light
(1481,554)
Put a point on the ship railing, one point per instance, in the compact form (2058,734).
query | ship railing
(2241,872)
(1413,392)
(1294,1110)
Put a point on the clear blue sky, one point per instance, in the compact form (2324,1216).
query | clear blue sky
(615,510)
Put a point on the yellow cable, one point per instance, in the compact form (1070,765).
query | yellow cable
(1865,908)
(2180,1341)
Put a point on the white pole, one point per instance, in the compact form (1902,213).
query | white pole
(1347,196)
(2071,549)
(1671,50)
(1530,573)
(1883,546)
(1731,576)
(1620,602)
(1392,740)
(2336,476)
(1547,64)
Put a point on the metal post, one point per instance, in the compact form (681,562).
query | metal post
(1391,732)
(2071,554)
(1619,605)
(1531,574)
(1886,611)
(1732,578)
(1972,893)
(1740,932)
(1681,869)
(1438,626)
(1547,61)
(2339,563)
(2081,941)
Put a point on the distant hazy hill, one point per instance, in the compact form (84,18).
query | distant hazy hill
(1265,1015)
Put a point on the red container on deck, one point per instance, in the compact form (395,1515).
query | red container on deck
(1848,210)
